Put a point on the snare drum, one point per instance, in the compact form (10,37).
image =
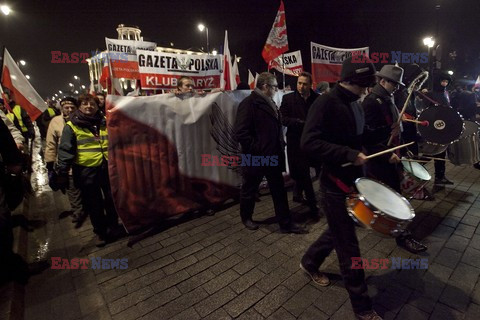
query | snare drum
(415,176)
(378,207)
(466,149)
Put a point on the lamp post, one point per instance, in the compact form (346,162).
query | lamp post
(429,42)
(202,27)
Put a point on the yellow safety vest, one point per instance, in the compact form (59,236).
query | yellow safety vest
(17,113)
(91,150)
(51,112)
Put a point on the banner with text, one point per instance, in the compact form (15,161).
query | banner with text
(123,57)
(292,62)
(161,70)
(327,61)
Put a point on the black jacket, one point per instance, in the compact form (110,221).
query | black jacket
(258,129)
(380,114)
(294,111)
(330,136)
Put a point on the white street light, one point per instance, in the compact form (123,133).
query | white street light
(83,87)
(429,42)
(76,77)
(56,95)
(76,91)
(214,52)
(60,91)
(450,72)
(27,76)
(5,9)
(70,84)
(22,62)
(202,27)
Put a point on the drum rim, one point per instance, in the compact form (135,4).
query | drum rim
(379,211)
(417,164)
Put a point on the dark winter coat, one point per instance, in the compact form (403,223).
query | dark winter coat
(330,136)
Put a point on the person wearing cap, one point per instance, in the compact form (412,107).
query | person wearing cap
(381,122)
(54,134)
(332,136)
(84,148)
(440,95)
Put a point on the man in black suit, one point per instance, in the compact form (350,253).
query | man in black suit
(294,111)
(258,129)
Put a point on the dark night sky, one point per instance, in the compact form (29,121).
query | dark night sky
(36,28)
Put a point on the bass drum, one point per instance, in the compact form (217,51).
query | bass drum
(466,149)
(430,149)
(445,125)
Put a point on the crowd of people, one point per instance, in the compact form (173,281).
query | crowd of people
(326,128)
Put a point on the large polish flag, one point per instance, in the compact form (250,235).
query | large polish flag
(277,41)
(20,88)
(225,81)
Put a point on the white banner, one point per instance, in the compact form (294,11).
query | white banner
(161,70)
(292,62)
(327,61)
(123,58)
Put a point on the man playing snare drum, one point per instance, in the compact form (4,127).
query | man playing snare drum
(332,136)
(381,117)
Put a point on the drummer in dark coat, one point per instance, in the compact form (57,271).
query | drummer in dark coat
(294,111)
(332,136)
(258,129)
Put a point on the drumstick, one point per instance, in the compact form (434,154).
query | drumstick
(433,158)
(413,160)
(381,152)
(422,123)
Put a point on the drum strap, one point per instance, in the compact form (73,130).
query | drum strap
(340,184)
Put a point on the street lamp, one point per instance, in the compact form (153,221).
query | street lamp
(60,91)
(429,42)
(5,9)
(76,77)
(214,52)
(70,84)
(27,76)
(450,72)
(22,62)
(83,87)
(202,27)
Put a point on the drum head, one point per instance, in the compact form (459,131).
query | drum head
(384,199)
(445,125)
(417,170)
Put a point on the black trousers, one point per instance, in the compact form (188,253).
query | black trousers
(251,182)
(440,165)
(97,202)
(303,182)
(340,236)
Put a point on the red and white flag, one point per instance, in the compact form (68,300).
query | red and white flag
(277,42)
(256,78)
(251,80)
(235,75)
(21,90)
(225,81)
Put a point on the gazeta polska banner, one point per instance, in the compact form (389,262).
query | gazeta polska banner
(292,62)
(327,61)
(161,70)
(123,58)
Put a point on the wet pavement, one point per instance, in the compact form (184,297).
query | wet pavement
(211,267)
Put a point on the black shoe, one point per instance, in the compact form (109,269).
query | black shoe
(100,241)
(299,199)
(210,212)
(442,181)
(477,165)
(410,244)
(293,228)
(250,225)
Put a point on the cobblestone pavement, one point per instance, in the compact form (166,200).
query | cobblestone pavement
(211,267)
